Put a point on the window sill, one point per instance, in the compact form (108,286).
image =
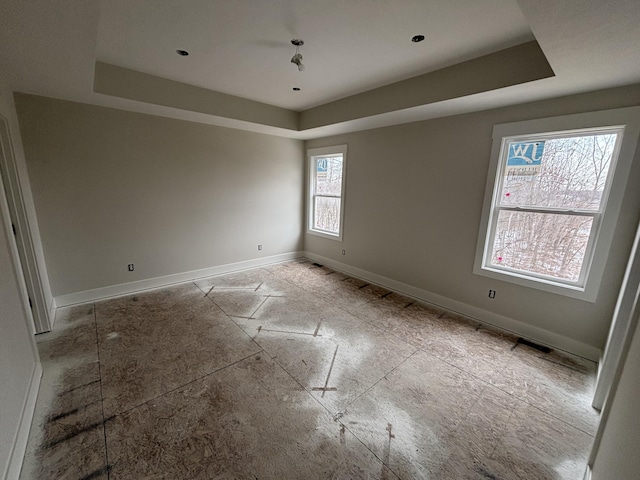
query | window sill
(573,291)
(331,236)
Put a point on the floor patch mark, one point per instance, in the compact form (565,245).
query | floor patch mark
(98,473)
(75,433)
(290,333)
(79,386)
(53,418)
(315,333)
(326,387)
(486,474)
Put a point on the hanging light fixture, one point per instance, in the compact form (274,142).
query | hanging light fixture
(297,57)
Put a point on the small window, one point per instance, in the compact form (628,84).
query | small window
(326,191)
(550,215)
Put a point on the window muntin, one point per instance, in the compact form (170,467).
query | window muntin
(550,194)
(326,205)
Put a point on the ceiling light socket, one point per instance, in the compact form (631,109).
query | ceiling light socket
(297,57)
(296,89)
(417,38)
(182,53)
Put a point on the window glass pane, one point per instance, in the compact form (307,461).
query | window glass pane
(329,175)
(542,243)
(568,172)
(326,214)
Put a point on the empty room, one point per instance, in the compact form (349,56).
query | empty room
(329,239)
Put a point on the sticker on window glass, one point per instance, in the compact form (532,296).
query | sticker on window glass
(525,158)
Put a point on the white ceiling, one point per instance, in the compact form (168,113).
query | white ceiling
(241,47)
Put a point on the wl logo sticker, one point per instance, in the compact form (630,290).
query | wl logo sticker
(525,158)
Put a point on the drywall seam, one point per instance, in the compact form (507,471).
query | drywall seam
(157,282)
(502,322)
(26,418)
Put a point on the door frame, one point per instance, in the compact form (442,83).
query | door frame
(621,326)
(22,231)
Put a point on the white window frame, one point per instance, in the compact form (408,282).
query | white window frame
(604,223)
(313,153)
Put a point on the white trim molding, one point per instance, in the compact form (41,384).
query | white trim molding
(26,248)
(19,447)
(158,282)
(501,322)
(624,121)
(628,303)
(52,312)
(312,154)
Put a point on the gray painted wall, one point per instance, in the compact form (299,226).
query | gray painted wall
(18,355)
(113,187)
(414,197)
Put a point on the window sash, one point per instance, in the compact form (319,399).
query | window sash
(314,197)
(314,211)
(626,122)
(575,133)
(588,254)
(596,214)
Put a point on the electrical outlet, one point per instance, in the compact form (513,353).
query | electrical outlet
(344,252)
(259,247)
(492,294)
(130,267)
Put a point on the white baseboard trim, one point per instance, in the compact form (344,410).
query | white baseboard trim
(157,282)
(501,322)
(52,312)
(26,417)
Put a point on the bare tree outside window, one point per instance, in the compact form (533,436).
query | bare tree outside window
(549,203)
(327,193)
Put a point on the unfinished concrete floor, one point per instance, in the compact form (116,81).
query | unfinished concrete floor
(294,371)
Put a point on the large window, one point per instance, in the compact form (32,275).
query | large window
(552,207)
(326,191)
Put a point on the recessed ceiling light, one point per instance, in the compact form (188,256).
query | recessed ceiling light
(296,89)
(417,38)
(182,53)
